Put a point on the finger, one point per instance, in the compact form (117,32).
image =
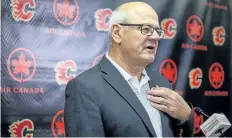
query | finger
(160,107)
(159,88)
(168,92)
(158,93)
(158,100)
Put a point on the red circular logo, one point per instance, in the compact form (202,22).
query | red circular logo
(195,28)
(169,70)
(198,120)
(58,124)
(21,65)
(66,11)
(97,59)
(216,75)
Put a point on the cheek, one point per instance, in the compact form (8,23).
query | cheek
(141,42)
(136,43)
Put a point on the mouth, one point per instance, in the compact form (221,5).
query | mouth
(150,47)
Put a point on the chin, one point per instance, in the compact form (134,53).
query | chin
(146,59)
(150,60)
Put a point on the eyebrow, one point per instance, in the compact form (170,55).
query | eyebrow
(153,25)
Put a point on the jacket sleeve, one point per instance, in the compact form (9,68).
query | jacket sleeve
(81,112)
(182,129)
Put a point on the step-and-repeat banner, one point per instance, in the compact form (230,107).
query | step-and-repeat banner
(46,43)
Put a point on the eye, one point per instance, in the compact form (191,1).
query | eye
(146,29)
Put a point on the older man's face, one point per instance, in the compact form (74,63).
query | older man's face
(139,47)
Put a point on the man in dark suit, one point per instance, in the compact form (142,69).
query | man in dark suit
(119,97)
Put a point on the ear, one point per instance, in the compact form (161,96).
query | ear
(116,33)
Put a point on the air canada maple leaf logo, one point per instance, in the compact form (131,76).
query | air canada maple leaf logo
(23,128)
(67,12)
(216,75)
(22,10)
(58,124)
(219,35)
(198,120)
(102,17)
(195,28)
(169,70)
(21,65)
(169,25)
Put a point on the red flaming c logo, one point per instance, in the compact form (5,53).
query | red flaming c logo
(219,34)
(65,71)
(101,16)
(17,128)
(19,10)
(169,25)
(195,78)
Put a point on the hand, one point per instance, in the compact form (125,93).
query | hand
(169,101)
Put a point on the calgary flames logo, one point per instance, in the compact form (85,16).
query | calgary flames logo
(195,78)
(219,34)
(216,75)
(65,71)
(20,11)
(198,120)
(169,25)
(102,16)
(195,28)
(169,70)
(17,129)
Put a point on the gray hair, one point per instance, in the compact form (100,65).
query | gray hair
(118,16)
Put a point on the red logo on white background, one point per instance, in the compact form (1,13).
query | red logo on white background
(21,64)
(216,75)
(23,10)
(169,25)
(195,28)
(65,71)
(195,78)
(102,16)
(219,34)
(66,11)
(198,120)
(57,125)
(23,128)
(169,70)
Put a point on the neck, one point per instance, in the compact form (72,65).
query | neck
(129,67)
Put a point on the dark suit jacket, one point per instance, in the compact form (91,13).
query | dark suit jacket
(99,102)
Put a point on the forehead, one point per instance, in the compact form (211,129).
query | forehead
(145,17)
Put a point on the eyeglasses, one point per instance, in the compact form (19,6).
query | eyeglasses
(147,29)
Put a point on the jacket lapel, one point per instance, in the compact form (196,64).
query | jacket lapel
(116,80)
(164,116)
